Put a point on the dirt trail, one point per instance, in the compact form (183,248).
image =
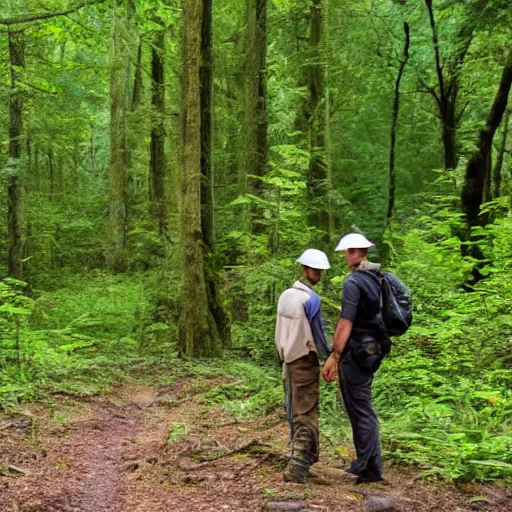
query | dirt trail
(77,465)
(142,449)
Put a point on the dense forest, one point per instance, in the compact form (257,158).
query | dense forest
(163,164)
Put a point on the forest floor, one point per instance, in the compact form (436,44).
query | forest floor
(151,447)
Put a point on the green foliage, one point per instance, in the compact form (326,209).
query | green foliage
(74,328)
(176,432)
(256,391)
(66,340)
(446,381)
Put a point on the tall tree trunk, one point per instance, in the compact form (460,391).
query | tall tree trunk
(449,129)
(137,79)
(448,77)
(317,180)
(51,175)
(206,126)
(394,122)
(333,217)
(478,169)
(500,157)
(14,184)
(199,332)
(157,159)
(253,147)
(119,159)
(211,270)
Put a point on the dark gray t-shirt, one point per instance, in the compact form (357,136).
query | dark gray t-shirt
(361,299)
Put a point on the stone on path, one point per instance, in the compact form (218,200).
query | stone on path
(284,505)
(379,503)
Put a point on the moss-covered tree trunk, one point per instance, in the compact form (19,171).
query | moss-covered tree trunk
(119,151)
(200,328)
(253,147)
(14,183)
(497,172)
(157,159)
(137,79)
(318,183)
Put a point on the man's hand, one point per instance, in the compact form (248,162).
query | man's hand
(330,369)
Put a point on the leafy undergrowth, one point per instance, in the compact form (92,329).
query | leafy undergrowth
(443,396)
(78,339)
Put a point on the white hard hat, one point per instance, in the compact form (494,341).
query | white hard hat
(353,241)
(315,259)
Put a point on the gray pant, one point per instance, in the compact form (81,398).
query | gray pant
(356,389)
(301,383)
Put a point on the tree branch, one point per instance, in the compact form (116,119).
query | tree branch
(500,101)
(435,41)
(461,113)
(430,90)
(36,88)
(27,18)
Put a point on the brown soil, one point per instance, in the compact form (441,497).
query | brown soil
(144,448)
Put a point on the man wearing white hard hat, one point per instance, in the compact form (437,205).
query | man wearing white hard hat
(356,354)
(300,340)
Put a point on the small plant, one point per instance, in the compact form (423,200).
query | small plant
(176,432)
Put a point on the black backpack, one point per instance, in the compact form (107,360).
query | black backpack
(396,306)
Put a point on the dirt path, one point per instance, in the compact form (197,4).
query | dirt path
(156,448)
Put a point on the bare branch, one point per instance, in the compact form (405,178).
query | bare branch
(79,23)
(435,41)
(461,113)
(430,90)
(27,18)
(36,88)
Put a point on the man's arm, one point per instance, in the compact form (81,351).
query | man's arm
(313,311)
(349,305)
(341,336)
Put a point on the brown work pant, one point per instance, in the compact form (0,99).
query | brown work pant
(301,383)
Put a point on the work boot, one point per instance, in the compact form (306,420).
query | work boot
(367,477)
(353,468)
(296,471)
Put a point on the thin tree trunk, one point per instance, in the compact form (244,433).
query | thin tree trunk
(501,155)
(207,171)
(14,184)
(92,151)
(37,172)
(206,127)
(199,333)
(317,180)
(137,80)
(51,175)
(327,127)
(396,110)
(157,159)
(253,147)
(448,84)
(449,133)
(119,160)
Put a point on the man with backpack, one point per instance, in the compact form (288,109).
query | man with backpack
(359,344)
(300,341)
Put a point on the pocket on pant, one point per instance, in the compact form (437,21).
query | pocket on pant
(366,352)
(353,373)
